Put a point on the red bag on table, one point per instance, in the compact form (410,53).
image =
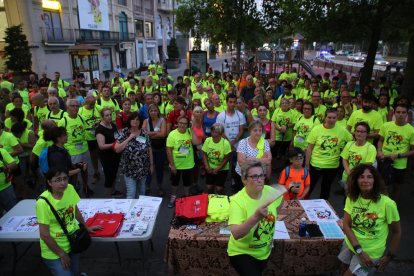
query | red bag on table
(111,224)
(192,208)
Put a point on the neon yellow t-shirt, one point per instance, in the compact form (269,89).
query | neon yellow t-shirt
(135,107)
(66,209)
(259,239)
(6,160)
(40,113)
(216,152)
(165,108)
(272,107)
(342,122)
(302,129)
(356,155)
(182,149)
(284,97)
(8,123)
(397,139)
(112,104)
(284,118)
(25,96)
(320,112)
(383,111)
(372,118)
(25,108)
(91,117)
(8,85)
(76,131)
(328,145)
(8,142)
(369,222)
(201,97)
(220,108)
(40,145)
(330,94)
(56,117)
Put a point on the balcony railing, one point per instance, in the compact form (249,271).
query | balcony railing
(165,6)
(103,36)
(57,36)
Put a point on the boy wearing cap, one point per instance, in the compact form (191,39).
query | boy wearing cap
(295,177)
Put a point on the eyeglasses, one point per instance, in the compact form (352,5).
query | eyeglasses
(60,179)
(257,176)
(182,124)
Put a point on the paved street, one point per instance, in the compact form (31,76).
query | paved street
(101,258)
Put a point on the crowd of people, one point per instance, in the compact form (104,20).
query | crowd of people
(205,126)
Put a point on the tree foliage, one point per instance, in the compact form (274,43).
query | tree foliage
(343,20)
(222,21)
(17,52)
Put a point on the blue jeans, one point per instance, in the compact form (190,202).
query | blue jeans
(134,187)
(7,198)
(159,156)
(55,266)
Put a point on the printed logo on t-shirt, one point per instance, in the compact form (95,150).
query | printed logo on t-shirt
(328,142)
(394,139)
(363,221)
(264,231)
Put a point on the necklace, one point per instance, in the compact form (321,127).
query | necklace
(362,205)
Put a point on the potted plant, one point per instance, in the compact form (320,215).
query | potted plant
(173,55)
(17,52)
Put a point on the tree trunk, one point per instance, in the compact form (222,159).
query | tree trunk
(372,51)
(408,84)
(238,52)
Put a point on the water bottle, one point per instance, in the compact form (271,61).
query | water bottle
(302,227)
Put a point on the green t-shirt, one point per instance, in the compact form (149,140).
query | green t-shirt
(66,209)
(369,222)
(282,118)
(383,111)
(25,96)
(8,123)
(259,239)
(25,108)
(40,145)
(330,94)
(320,112)
(7,84)
(201,97)
(356,155)
(8,142)
(255,115)
(41,113)
(112,104)
(372,118)
(216,152)
(182,149)
(135,107)
(397,139)
(342,123)
(302,129)
(166,108)
(76,130)
(91,116)
(328,145)
(5,159)
(56,117)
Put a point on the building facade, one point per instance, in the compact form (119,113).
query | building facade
(94,36)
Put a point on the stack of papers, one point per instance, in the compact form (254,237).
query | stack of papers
(281,232)
(318,210)
(20,224)
(331,230)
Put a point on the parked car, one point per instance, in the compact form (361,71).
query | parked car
(326,56)
(379,60)
(356,57)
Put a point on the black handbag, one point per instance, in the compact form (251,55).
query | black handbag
(79,240)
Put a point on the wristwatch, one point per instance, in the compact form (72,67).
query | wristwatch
(358,249)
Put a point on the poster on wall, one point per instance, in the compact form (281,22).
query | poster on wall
(93,14)
(198,61)
(105,59)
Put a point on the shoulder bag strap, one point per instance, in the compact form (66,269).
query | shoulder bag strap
(56,216)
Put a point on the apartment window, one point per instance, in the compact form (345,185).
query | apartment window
(52,23)
(139,27)
(122,2)
(149,29)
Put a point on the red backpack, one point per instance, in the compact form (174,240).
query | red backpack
(192,208)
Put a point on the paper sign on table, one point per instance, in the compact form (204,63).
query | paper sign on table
(281,232)
(318,210)
(225,231)
(20,224)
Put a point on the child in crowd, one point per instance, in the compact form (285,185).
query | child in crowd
(295,177)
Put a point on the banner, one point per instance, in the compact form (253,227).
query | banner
(93,15)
